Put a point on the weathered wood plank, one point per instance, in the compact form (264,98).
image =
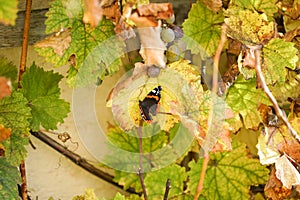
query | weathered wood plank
(11,36)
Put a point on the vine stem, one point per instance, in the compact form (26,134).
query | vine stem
(257,51)
(202,176)
(21,71)
(168,187)
(140,172)
(211,117)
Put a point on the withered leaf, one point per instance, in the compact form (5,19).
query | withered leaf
(157,10)
(59,42)
(286,172)
(93,12)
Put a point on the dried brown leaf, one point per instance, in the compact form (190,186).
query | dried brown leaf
(93,12)
(214,5)
(274,189)
(157,10)
(59,42)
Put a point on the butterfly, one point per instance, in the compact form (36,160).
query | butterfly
(149,104)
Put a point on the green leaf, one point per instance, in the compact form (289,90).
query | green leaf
(244,98)
(229,175)
(42,91)
(9,178)
(158,150)
(278,55)
(94,49)
(15,114)
(267,6)
(202,29)
(128,180)
(8,12)
(89,194)
(8,70)
(156,181)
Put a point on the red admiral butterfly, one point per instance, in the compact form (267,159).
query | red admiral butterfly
(149,104)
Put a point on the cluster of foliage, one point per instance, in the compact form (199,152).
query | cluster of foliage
(241,108)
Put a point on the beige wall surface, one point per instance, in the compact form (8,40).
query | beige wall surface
(49,173)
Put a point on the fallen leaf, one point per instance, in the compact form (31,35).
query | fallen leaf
(4,133)
(59,42)
(286,172)
(5,87)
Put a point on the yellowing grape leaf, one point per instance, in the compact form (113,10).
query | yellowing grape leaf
(267,6)
(42,91)
(202,30)
(228,175)
(89,194)
(278,55)
(8,12)
(156,181)
(128,180)
(248,27)
(9,178)
(244,98)
(15,114)
(106,52)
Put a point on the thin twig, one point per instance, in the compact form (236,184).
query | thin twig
(23,175)
(21,71)
(168,187)
(257,50)
(25,38)
(77,159)
(217,60)
(202,176)
(140,172)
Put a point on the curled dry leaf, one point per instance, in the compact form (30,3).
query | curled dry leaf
(93,12)
(152,47)
(157,10)
(286,172)
(59,42)
(5,87)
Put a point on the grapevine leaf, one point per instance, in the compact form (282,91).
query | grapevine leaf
(42,91)
(8,12)
(267,6)
(230,173)
(278,55)
(243,98)
(248,27)
(15,114)
(157,181)
(119,197)
(202,29)
(106,52)
(9,178)
(8,70)
(157,151)
(89,194)
(128,180)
